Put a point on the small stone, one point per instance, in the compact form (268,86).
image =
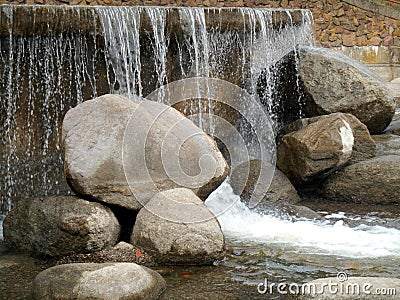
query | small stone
(375,41)
(349,40)
(388,41)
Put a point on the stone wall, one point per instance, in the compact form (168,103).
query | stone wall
(337,23)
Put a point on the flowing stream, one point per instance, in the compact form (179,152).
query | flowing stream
(364,244)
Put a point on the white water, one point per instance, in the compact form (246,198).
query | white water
(301,236)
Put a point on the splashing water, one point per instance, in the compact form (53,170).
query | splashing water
(301,236)
(299,250)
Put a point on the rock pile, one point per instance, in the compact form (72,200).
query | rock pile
(331,153)
(138,157)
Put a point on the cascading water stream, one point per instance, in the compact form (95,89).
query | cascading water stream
(135,51)
(48,68)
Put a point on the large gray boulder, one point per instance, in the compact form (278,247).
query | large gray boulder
(318,81)
(127,281)
(245,177)
(374,181)
(355,288)
(313,148)
(176,227)
(121,151)
(60,225)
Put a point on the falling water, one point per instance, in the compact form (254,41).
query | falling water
(48,67)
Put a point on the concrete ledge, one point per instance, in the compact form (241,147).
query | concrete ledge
(385,61)
(54,19)
(382,7)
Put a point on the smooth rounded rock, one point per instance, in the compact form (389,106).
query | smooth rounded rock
(125,281)
(176,227)
(60,225)
(122,151)
(373,181)
(318,81)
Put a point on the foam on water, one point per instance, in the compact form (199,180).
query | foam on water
(325,237)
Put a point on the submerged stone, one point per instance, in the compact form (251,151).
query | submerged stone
(125,281)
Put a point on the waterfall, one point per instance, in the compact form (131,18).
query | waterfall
(60,56)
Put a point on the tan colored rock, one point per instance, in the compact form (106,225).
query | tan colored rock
(322,145)
(319,81)
(120,151)
(364,146)
(98,281)
(176,227)
(373,181)
(60,225)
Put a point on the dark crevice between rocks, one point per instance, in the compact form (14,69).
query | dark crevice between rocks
(126,219)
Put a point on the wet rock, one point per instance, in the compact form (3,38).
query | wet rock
(122,252)
(364,146)
(98,281)
(318,81)
(394,126)
(358,288)
(176,227)
(298,211)
(244,179)
(60,225)
(322,145)
(159,147)
(387,144)
(375,181)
